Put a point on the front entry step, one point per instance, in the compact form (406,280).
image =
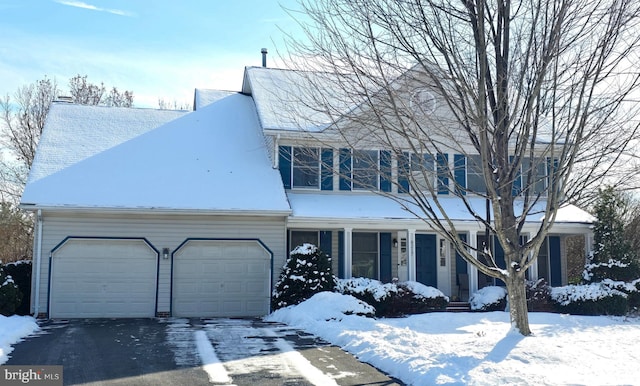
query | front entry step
(458,307)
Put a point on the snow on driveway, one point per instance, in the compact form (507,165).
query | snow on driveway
(238,351)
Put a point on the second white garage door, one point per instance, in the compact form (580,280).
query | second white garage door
(221,278)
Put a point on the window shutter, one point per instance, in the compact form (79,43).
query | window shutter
(443,173)
(341,254)
(555,264)
(517,182)
(326,169)
(345,169)
(403,173)
(385,257)
(385,170)
(460,173)
(284,163)
(325,242)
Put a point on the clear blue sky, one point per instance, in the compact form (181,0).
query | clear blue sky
(158,49)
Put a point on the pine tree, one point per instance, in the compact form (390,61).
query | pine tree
(612,257)
(10,295)
(306,272)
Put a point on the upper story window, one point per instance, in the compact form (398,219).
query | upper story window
(365,170)
(469,175)
(539,183)
(305,164)
(306,167)
(423,172)
(475,175)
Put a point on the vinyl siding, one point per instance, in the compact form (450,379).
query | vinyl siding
(162,231)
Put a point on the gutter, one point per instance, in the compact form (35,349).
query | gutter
(159,210)
(38,257)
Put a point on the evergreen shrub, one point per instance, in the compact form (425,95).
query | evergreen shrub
(10,295)
(306,272)
(20,271)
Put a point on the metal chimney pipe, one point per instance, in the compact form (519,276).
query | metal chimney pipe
(264,57)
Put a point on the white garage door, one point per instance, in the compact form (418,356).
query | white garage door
(98,278)
(221,278)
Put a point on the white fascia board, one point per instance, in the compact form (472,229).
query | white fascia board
(305,136)
(403,224)
(208,212)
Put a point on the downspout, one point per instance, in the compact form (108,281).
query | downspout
(38,257)
(276,152)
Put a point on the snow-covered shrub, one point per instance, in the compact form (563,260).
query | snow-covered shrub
(306,272)
(491,298)
(539,296)
(20,271)
(631,289)
(394,299)
(10,295)
(590,299)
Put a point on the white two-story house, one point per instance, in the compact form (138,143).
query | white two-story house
(144,213)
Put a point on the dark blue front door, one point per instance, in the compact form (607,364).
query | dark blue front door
(426,260)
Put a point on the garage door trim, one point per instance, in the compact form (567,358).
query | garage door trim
(177,249)
(70,238)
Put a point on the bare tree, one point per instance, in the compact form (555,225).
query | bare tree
(24,118)
(16,233)
(86,93)
(535,94)
(175,105)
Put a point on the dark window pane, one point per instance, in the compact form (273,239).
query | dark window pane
(365,255)
(306,167)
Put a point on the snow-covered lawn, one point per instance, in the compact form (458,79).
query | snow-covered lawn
(12,330)
(477,348)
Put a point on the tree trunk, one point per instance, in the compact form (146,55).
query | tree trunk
(517,295)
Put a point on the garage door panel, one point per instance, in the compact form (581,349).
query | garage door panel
(103,278)
(233,279)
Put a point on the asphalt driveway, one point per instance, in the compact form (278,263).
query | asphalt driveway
(190,352)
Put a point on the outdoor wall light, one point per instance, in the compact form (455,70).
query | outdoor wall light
(395,243)
(165,253)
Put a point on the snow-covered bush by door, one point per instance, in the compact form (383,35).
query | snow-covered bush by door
(10,295)
(306,272)
(394,299)
(491,298)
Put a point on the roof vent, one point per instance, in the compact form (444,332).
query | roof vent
(64,98)
(264,57)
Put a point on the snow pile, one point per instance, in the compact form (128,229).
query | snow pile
(580,293)
(323,306)
(471,348)
(12,330)
(487,296)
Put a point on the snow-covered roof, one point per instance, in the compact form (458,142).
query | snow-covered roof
(369,206)
(291,100)
(212,159)
(204,97)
